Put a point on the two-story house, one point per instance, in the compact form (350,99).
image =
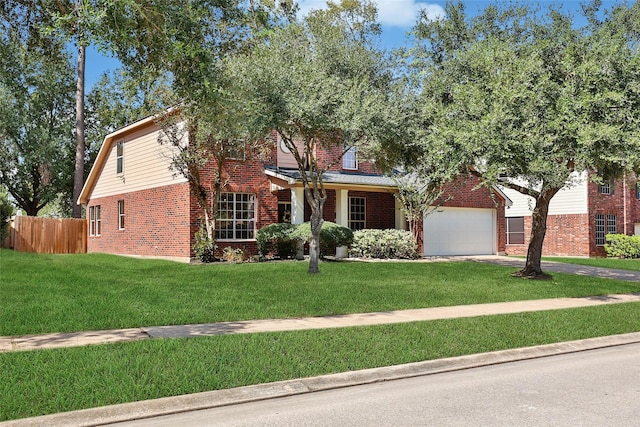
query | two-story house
(137,206)
(580,216)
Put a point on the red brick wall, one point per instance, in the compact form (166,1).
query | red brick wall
(380,209)
(567,235)
(574,235)
(622,203)
(240,177)
(156,223)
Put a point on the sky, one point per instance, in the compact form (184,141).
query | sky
(397,17)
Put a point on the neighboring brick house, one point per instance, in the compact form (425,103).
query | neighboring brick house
(579,217)
(137,206)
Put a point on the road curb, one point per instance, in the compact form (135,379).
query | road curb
(212,399)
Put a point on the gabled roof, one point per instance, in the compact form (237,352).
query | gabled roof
(103,155)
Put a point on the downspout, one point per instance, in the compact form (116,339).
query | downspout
(624,202)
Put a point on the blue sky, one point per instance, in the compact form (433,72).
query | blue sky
(396,16)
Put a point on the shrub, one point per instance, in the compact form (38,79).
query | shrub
(233,255)
(203,247)
(332,236)
(277,239)
(383,244)
(6,211)
(622,246)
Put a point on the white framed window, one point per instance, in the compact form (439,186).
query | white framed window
(357,213)
(350,159)
(638,190)
(94,220)
(120,214)
(236,218)
(236,150)
(600,230)
(515,231)
(606,187)
(612,227)
(120,157)
(605,224)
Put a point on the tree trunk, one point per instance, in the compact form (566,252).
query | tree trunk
(532,268)
(314,244)
(78,177)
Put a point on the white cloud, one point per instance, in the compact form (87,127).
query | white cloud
(393,13)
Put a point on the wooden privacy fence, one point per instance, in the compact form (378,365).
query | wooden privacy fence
(49,235)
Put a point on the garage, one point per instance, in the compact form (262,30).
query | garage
(460,231)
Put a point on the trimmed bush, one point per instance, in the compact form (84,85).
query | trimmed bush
(233,255)
(204,248)
(384,244)
(332,236)
(622,246)
(276,239)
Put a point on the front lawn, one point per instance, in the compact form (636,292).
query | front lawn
(620,264)
(48,381)
(64,293)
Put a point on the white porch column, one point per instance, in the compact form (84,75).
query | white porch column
(401,221)
(297,205)
(342,217)
(297,214)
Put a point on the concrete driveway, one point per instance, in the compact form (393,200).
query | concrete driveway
(558,267)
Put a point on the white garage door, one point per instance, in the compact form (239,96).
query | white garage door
(460,231)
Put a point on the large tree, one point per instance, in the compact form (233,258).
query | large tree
(526,99)
(320,83)
(36,106)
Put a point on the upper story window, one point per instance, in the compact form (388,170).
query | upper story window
(119,157)
(638,190)
(350,159)
(236,217)
(357,213)
(236,150)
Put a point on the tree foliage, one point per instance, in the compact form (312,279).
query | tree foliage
(320,83)
(529,96)
(36,106)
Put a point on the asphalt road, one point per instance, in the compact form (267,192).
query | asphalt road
(592,388)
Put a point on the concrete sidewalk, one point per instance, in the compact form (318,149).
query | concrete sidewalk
(57,340)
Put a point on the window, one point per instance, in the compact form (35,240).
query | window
(605,224)
(120,214)
(94,220)
(606,187)
(236,217)
(119,157)
(515,231)
(600,230)
(236,150)
(611,224)
(357,213)
(284,212)
(350,159)
(638,190)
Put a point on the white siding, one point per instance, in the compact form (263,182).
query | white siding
(571,200)
(146,165)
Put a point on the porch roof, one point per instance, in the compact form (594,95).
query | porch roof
(334,179)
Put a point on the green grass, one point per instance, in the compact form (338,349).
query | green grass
(49,381)
(64,293)
(620,264)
